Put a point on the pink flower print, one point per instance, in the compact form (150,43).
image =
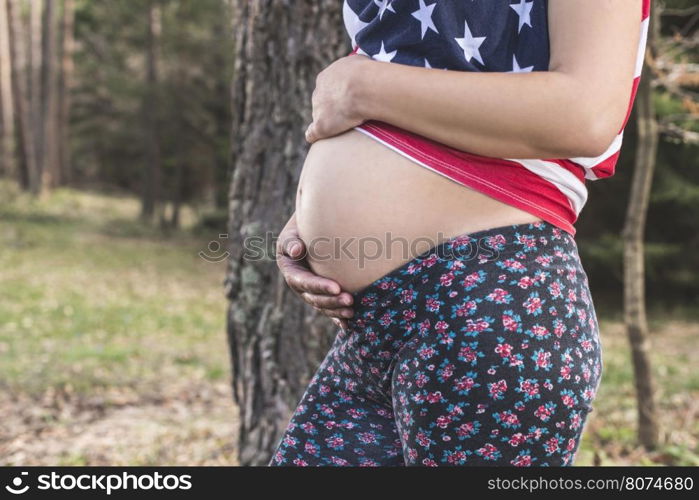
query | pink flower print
(533,304)
(575,421)
(434,397)
(456,457)
(311,448)
(440,326)
(309,428)
(526,240)
(504,350)
(464,384)
(555,290)
(386,319)
(512,265)
(446,279)
(539,332)
(489,452)
(423,440)
(507,419)
(499,296)
(407,296)
(300,463)
(568,398)
(367,437)
(559,328)
(497,389)
(473,279)
(542,360)
(409,315)
(529,387)
(465,309)
(414,268)
(524,459)
(426,352)
(336,442)
(433,304)
(479,325)
(544,260)
(496,241)
(443,421)
(517,439)
(525,282)
(447,371)
(467,429)
(468,353)
(552,445)
(510,321)
(545,411)
(430,261)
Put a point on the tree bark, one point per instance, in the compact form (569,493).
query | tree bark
(276,343)
(64,92)
(7,128)
(48,155)
(29,174)
(152,170)
(34,67)
(632,236)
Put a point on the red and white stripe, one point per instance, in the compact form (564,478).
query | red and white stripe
(552,189)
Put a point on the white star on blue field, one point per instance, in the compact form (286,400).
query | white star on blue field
(469,35)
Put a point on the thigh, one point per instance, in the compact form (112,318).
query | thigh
(338,422)
(506,371)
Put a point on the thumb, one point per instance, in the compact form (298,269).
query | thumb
(310,133)
(294,248)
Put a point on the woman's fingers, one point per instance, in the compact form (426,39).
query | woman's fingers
(328,301)
(301,279)
(340,323)
(342,313)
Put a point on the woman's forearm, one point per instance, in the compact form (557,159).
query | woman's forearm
(542,114)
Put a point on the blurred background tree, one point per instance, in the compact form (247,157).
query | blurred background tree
(143,97)
(130,96)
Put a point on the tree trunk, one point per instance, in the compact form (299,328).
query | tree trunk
(152,170)
(7,128)
(276,343)
(34,67)
(64,96)
(632,235)
(221,120)
(49,165)
(29,174)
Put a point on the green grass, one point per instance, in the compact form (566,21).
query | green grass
(89,301)
(113,348)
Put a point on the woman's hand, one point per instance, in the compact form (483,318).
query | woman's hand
(336,99)
(325,295)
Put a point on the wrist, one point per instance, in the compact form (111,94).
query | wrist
(361,92)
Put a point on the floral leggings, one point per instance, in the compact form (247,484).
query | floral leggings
(484,350)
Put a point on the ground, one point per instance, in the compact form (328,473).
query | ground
(113,347)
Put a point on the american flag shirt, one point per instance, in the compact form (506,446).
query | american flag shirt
(481,35)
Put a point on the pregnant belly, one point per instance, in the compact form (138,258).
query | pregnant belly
(363,209)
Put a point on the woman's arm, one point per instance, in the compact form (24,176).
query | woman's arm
(574,109)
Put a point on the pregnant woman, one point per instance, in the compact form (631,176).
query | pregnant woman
(435,220)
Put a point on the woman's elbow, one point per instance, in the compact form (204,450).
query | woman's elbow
(588,136)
